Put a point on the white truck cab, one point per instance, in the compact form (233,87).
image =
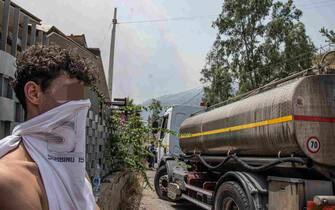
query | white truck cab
(172,119)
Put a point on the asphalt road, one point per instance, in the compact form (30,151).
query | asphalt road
(150,201)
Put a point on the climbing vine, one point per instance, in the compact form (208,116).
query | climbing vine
(128,136)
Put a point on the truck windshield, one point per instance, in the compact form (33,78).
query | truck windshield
(164,126)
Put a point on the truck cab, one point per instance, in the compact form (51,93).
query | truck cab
(171,120)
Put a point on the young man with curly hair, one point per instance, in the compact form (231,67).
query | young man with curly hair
(42,163)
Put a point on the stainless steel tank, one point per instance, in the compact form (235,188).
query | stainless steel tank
(297,117)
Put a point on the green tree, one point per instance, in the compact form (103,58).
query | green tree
(286,49)
(257,41)
(217,80)
(329,34)
(155,108)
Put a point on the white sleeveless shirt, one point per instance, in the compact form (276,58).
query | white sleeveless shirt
(55,140)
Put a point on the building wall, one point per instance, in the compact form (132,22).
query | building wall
(11,112)
(22,22)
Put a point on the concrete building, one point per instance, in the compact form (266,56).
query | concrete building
(20,29)
(17,32)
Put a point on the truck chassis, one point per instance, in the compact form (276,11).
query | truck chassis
(244,183)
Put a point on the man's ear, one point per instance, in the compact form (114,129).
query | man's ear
(32,92)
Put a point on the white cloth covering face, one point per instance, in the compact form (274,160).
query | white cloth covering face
(56,142)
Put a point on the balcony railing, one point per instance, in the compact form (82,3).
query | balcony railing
(18,28)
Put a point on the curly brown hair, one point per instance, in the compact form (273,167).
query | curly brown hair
(42,64)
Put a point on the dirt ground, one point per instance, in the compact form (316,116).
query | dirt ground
(150,201)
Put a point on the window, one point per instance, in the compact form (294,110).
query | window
(164,126)
(18,112)
(2,130)
(6,128)
(6,88)
(1,79)
(9,90)
(100,148)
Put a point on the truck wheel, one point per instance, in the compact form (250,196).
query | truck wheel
(230,196)
(161,182)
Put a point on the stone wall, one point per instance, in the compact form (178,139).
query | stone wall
(96,138)
(113,193)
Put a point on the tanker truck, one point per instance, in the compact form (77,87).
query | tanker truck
(271,149)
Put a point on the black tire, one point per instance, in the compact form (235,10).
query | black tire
(231,196)
(160,182)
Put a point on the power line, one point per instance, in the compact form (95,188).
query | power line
(168,19)
(316,6)
(311,3)
(308,5)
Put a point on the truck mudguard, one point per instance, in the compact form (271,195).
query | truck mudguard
(254,185)
(170,163)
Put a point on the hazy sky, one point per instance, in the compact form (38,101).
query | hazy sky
(156,58)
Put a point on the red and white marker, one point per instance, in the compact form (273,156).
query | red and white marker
(313,144)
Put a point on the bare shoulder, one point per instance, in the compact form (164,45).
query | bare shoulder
(7,176)
(9,183)
(16,181)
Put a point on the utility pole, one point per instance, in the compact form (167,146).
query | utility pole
(111,56)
